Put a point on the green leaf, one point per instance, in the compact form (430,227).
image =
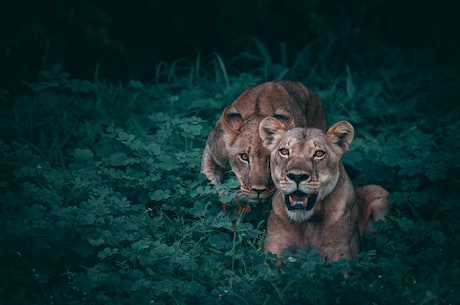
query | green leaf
(118,159)
(104,253)
(159,195)
(95,242)
(220,241)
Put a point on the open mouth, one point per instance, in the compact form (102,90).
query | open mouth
(300,201)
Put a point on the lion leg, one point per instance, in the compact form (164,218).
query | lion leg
(216,174)
(211,168)
(277,237)
(373,205)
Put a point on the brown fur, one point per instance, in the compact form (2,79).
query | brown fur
(372,202)
(307,163)
(234,144)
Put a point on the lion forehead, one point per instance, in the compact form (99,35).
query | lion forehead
(249,136)
(249,142)
(304,139)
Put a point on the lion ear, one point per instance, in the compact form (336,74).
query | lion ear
(340,136)
(231,119)
(271,131)
(285,117)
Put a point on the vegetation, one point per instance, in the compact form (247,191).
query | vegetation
(103,202)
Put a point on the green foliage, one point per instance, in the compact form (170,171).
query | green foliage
(103,202)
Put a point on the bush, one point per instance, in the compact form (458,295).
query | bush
(103,202)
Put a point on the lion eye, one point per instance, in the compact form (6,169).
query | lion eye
(319,154)
(284,152)
(244,157)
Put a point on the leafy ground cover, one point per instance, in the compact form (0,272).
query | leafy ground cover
(102,201)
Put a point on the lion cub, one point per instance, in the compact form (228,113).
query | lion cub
(314,205)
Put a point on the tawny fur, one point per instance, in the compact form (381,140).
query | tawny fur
(373,206)
(236,133)
(341,215)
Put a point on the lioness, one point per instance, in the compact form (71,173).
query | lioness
(234,144)
(315,205)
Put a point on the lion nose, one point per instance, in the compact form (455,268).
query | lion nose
(297,178)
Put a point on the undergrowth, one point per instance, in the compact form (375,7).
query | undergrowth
(103,202)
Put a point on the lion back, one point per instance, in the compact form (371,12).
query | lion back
(290,102)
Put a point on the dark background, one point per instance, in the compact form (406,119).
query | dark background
(127,39)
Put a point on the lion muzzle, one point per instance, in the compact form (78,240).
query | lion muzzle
(300,201)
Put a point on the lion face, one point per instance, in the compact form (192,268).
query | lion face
(250,161)
(304,162)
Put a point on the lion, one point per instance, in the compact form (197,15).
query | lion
(315,205)
(234,144)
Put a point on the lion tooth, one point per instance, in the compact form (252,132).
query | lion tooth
(305,202)
(295,200)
